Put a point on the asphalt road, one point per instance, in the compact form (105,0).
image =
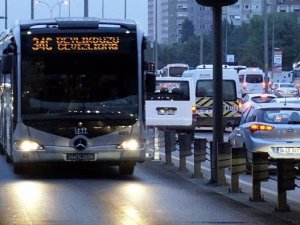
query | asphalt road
(87,195)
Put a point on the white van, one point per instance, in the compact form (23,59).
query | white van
(203,78)
(252,81)
(171,105)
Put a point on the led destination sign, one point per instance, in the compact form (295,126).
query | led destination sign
(75,43)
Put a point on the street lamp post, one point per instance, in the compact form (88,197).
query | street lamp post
(58,3)
(5,17)
(125,7)
(266,59)
(102,8)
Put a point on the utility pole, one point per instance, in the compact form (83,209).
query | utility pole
(156,37)
(266,59)
(201,47)
(218,127)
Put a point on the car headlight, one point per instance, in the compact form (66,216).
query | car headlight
(27,146)
(131,144)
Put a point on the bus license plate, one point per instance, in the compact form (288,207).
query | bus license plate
(289,150)
(80,157)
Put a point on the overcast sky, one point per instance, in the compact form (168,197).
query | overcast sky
(20,9)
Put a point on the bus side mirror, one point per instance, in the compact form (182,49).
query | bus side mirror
(150,82)
(6,63)
(214,3)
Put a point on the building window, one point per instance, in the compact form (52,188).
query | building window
(182,6)
(296,9)
(246,17)
(247,7)
(179,22)
(182,14)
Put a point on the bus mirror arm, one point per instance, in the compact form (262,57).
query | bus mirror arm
(150,82)
(6,63)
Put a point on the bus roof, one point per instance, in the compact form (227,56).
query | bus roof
(251,70)
(207,73)
(78,22)
(177,64)
(210,66)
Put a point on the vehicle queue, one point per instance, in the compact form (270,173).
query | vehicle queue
(268,122)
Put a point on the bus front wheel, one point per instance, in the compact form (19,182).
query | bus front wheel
(18,168)
(126,168)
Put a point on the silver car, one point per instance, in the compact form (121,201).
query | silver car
(256,99)
(273,128)
(284,90)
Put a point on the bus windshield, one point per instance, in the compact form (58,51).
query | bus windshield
(78,83)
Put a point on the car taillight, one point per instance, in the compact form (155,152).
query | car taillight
(240,105)
(194,115)
(258,127)
(194,109)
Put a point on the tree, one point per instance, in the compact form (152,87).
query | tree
(245,42)
(187,31)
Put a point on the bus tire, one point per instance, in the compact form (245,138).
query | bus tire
(2,151)
(18,168)
(126,168)
(8,159)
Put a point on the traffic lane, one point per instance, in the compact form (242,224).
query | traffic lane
(153,195)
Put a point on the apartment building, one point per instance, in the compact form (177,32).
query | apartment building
(172,13)
(170,16)
(244,10)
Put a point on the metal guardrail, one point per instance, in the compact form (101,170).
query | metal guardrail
(235,159)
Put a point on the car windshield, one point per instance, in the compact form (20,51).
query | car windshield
(286,85)
(170,91)
(204,88)
(262,99)
(254,78)
(280,116)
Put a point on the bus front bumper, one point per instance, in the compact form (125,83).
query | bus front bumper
(111,156)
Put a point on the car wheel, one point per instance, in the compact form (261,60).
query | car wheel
(248,163)
(126,168)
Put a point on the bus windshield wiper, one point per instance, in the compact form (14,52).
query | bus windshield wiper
(294,122)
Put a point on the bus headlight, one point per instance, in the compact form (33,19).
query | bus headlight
(27,146)
(129,145)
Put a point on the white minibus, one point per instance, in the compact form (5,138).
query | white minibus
(252,81)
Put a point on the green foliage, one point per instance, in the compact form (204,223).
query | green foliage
(246,42)
(187,31)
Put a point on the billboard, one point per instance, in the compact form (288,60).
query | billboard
(277,61)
